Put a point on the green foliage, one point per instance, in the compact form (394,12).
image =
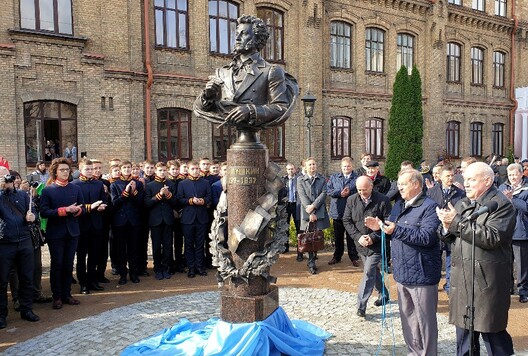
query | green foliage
(405,122)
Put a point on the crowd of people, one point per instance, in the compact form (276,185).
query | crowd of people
(423,214)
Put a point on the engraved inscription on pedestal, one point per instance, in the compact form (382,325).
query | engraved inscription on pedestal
(243,175)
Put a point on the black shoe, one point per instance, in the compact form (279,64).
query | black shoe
(300,257)
(74,281)
(191,273)
(115,272)
(379,302)
(523,299)
(29,316)
(312,270)
(134,278)
(122,280)
(333,261)
(202,272)
(95,286)
(360,313)
(16,305)
(43,299)
(3,323)
(84,290)
(103,279)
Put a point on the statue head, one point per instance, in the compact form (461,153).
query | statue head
(259,34)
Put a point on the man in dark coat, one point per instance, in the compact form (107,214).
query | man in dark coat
(493,235)
(417,266)
(381,183)
(367,203)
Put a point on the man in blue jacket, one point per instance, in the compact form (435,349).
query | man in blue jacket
(416,262)
(339,187)
(16,246)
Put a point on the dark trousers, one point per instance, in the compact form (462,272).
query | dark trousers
(520,257)
(21,255)
(103,252)
(62,252)
(178,260)
(207,240)
(291,210)
(194,237)
(88,250)
(497,344)
(37,276)
(126,239)
(143,246)
(339,234)
(161,246)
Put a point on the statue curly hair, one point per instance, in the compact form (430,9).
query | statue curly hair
(260,29)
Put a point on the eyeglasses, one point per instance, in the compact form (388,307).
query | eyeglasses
(63,170)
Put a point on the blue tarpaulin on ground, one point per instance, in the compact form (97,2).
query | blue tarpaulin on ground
(275,335)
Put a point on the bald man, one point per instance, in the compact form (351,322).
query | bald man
(493,238)
(367,202)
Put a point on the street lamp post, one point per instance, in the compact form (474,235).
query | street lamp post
(309,105)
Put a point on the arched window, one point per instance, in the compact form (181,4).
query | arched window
(340,44)
(477,66)
(453,62)
(405,51)
(340,137)
(499,59)
(498,139)
(475,132)
(374,49)
(223,137)
(50,127)
(53,16)
(374,137)
(274,49)
(222,26)
(273,138)
(453,138)
(174,134)
(171,23)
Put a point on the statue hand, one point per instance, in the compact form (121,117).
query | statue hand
(212,90)
(238,115)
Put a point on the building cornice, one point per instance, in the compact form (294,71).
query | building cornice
(478,19)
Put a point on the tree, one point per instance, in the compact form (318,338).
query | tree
(405,122)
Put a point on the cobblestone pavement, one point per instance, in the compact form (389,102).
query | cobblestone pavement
(110,332)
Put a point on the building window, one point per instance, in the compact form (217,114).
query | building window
(340,44)
(50,128)
(477,66)
(499,59)
(53,16)
(455,2)
(171,23)
(222,26)
(174,134)
(274,48)
(273,138)
(223,137)
(475,131)
(500,7)
(497,139)
(374,49)
(340,137)
(405,51)
(374,137)
(453,62)
(453,139)
(479,5)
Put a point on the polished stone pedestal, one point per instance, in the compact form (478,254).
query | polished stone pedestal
(237,309)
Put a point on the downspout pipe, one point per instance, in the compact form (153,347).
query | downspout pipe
(150,79)
(512,76)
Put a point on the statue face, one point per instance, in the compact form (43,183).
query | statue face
(244,42)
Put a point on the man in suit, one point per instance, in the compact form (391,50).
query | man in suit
(249,92)
(194,195)
(289,191)
(160,200)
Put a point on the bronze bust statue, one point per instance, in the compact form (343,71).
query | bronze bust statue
(249,93)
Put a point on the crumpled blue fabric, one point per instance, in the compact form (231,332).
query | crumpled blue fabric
(273,336)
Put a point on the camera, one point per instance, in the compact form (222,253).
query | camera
(34,184)
(9,178)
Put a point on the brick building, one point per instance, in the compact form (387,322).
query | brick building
(118,78)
